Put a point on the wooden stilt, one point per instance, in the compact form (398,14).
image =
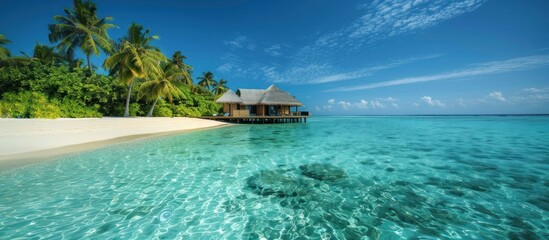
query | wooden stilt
(260,119)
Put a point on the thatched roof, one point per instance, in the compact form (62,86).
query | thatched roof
(229,97)
(276,96)
(270,96)
(250,96)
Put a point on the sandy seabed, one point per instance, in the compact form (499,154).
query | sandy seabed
(42,138)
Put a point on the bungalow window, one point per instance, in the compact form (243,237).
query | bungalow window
(272,110)
(252,109)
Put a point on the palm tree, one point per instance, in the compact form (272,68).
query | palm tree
(46,55)
(177,60)
(163,85)
(81,28)
(135,58)
(76,63)
(207,80)
(220,87)
(4,52)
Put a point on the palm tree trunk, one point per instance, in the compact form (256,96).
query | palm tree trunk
(150,114)
(127,112)
(89,64)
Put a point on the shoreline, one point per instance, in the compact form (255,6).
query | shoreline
(24,141)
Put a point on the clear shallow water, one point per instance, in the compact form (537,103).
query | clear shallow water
(331,178)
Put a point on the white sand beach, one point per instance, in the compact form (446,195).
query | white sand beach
(36,138)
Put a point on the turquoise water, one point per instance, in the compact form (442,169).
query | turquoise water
(330,178)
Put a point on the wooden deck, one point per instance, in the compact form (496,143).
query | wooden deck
(259,119)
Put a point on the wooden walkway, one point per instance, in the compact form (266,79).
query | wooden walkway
(259,119)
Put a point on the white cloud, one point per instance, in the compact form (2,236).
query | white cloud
(532,95)
(497,96)
(365,72)
(377,20)
(523,97)
(372,104)
(345,105)
(385,18)
(274,50)
(240,41)
(376,104)
(361,104)
(539,97)
(296,74)
(462,102)
(271,73)
(228,67)
(536,90)
(387,99)
(431,102)
(233,65)
(382,19)
(495,67)
(319,61)
(313,73)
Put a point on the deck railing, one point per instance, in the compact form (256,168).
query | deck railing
(241,113)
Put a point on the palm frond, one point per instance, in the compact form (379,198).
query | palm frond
(81,28)
(4,52)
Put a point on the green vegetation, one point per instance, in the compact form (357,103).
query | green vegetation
(81,28)
(4,52)
(207,80)
(29,104)
(52,83)
(72,90)
(163,86)
(46,55)
(134,59)
(220,87)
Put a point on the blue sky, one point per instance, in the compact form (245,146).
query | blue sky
(343,57)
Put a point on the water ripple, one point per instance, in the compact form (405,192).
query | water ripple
(331,178)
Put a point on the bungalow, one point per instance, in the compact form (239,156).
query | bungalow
(272,101)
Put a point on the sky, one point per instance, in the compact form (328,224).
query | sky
(351,57)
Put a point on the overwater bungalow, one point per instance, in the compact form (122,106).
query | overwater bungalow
(261,105)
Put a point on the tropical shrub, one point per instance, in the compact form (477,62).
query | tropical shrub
(41,107)
(135,110)
(81,95)
(74,109)
(163,109)
(29,105)
(183,111)
(16,105)
(196,106)
(11,79)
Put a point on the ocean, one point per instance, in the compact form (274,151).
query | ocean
(363,177)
